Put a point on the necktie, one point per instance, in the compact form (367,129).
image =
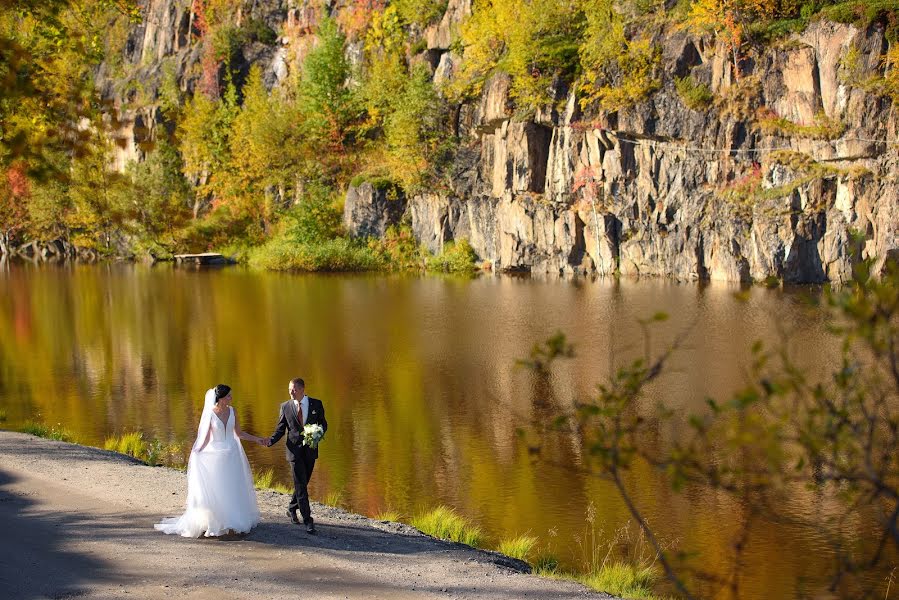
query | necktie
(300,413)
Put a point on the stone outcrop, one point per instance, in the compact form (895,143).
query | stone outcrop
(651,190)
(369,210)
(655,189)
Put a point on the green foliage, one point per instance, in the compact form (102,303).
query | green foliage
(401,103)
(456,257)
(534,41)
(158,199)
(696,95)
(420,12)
(519,547)
(323,95)
(546,565)
(824,127)
(314,219)
(444,523)
(204,133)
(132,444)
(412,130)
(399,250)
(618,71)
(537,42)
(97,213)
(339,255)
(50,48)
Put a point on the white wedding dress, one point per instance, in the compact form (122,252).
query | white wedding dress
(220,494)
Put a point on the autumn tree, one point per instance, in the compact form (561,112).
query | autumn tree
(326,102)
(534,41)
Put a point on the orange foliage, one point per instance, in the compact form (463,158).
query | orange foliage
(209,83)
(17,180)
(356,18)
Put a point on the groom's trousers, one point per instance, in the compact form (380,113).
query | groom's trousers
(301,467)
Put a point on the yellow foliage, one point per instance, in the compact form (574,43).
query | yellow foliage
(617,71)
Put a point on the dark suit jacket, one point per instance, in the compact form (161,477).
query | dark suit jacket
(289,423)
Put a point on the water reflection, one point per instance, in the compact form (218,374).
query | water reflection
(418,378)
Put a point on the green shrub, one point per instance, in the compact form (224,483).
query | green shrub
(398,250)
(696,95)
(315,219)
(444,523)
(337,255)
(420,12)
(456,257)
(824,127)
(257,30)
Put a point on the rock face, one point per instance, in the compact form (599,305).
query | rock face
(657,189)
(368,211)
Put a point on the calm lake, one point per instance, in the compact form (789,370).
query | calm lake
(419,380)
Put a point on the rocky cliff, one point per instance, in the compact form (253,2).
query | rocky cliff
(786,170)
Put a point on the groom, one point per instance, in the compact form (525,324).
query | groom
(300,410)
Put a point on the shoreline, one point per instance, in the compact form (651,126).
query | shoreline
(79,522)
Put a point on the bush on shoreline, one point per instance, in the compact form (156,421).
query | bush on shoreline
(336,255)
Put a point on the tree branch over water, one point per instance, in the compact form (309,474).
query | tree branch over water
(784,434)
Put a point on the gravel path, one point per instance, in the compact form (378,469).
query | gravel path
(78,522)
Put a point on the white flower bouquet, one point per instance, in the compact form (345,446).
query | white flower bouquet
(312,435)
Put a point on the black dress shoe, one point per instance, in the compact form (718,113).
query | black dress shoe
(293,516)
(310,528)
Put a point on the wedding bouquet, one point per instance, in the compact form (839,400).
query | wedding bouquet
(312,434)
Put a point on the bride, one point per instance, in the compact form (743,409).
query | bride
(220,494)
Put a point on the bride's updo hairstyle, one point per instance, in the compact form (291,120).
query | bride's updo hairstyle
(221,390)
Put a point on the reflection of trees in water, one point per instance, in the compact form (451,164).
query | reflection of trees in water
(417,376)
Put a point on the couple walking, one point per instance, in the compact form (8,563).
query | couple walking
(220,494)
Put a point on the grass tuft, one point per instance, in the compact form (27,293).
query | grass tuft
(336,498)
(546,565)
(519,547)
(444,523)
(56,432)
(266,481)
(388,515)
(623,580)
(152,451)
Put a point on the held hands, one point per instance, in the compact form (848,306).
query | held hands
(264,442)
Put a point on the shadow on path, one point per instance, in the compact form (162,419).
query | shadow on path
(32,561)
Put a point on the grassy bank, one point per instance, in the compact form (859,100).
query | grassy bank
(397,251)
